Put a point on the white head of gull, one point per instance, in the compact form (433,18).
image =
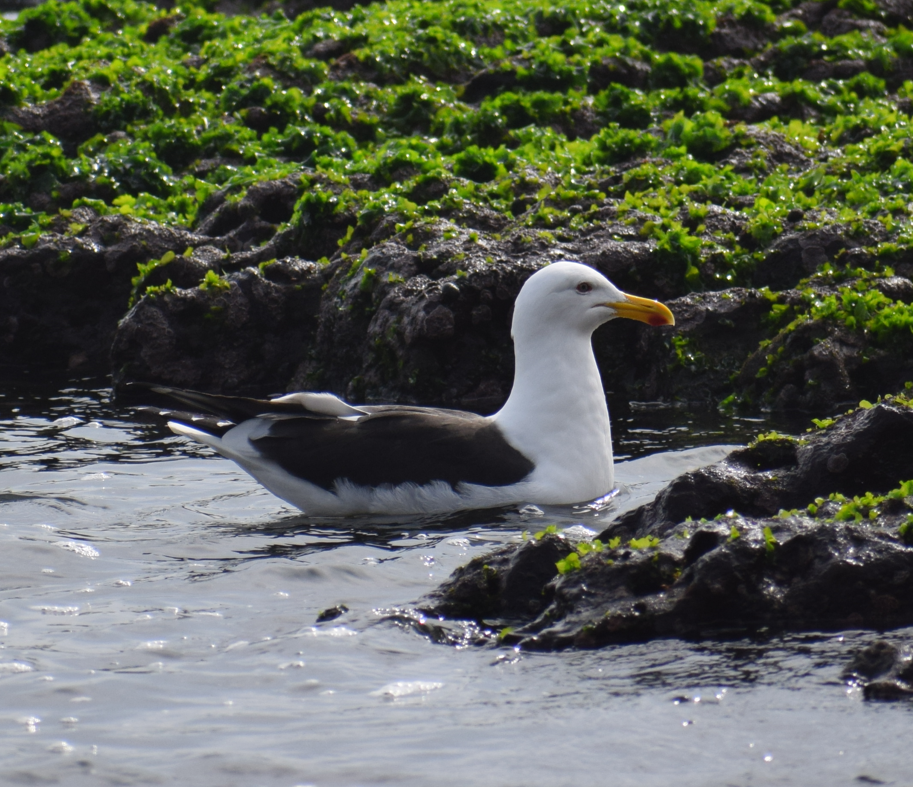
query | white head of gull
(550,443)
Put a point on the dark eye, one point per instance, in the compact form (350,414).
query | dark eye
(584,286)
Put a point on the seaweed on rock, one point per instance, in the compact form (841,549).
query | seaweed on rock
(686,149)
(718,553)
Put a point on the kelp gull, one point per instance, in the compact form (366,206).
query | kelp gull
(549,444)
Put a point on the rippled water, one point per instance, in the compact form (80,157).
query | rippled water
(159,626)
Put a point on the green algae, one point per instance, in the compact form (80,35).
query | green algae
(189,102)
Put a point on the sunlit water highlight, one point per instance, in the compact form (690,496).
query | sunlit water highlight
(158,626)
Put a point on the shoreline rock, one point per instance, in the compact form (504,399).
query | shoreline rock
(656,572)
(425,185)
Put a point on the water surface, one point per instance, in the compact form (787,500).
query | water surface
(159,626)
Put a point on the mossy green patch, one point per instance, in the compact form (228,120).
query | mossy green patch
(547,116)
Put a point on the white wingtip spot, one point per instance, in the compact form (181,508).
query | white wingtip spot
(194,434)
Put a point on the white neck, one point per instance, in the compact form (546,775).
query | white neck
(557,416)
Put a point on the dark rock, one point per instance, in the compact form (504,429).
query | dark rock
(820,70)
(620,70)
(246,337)
(158,28)
(867,450)
(294,8)
(251,219)
(434,326)
(883,671)
(221,217)
(331,48)
(872,661)
(489,83)
(894,72)
(840,21)
(810,13)
(897,12)
(629,264)
(799,574)
(504,585)
(271,200)
(821,365)
(348,66)
(259,119)
(779,150)
(762,106)
(70,117)
(734,38)
(389,335)
(720,69)
(897,288)
(62,298)
(332,613)
(732,575)
(796,255)
(695,361)
(187,271)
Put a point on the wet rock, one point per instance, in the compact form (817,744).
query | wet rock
(246,335)
(61,299)
(126,242)
(718,70)
(897,12)
(762,106)
(734,38)
(897,288)
(331,48)
(272,201)
(839,21)
(159,28)
(883,671)
(821,366)
(434,326)
(489,82)
(266,204)
(867,450)
(620,70)
(810,13)
(425,317)
(504,585)
(796,255)
(779,150)
(693,362)
(294,8)
(70,117)
(332,613)
(430,326)
(402,327)
(792,573)
(819,70)
(660,572)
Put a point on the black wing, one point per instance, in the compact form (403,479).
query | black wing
(394,445)
(214,414)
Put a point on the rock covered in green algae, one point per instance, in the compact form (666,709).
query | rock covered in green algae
(868,450)
(838,562)
(439,322)
(678,147)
